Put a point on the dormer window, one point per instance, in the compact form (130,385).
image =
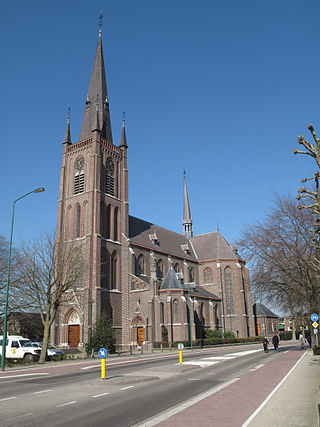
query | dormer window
(153,237)
(185,248)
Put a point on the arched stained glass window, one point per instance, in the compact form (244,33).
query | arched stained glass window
(207,275)
(175,311)
(160,269)
(140,265)
(229,290)
(78,221)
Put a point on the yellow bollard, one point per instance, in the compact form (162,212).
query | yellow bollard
(180,356)
(103,368)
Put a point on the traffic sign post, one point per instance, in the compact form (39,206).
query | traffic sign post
(103,354)
(180,348)
(314,317)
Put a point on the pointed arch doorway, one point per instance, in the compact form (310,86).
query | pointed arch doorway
(137,330)
(74,330)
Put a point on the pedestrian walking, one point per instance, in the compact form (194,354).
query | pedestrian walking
(309,340)
(303,341)
(275,342)
(265,343)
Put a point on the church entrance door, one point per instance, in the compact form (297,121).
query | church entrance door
(140,332)
(74,335)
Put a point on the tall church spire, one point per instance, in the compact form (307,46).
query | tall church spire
(97,95)
(187,220)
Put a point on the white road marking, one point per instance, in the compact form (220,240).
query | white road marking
(168,413)
(257,367)
(193,379)
(201,363)
(68,403)
(126,388)
(286,351)
(220,358)
(7,398)
(243,353)
(98,395)
(253,415)
(24,375)
(42,391)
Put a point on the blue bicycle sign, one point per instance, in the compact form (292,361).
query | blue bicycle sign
(102,353)
(314,317)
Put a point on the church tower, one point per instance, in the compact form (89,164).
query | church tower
(93,213)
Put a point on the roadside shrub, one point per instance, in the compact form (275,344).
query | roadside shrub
(209,333)
(103,335)
(228,334)
(285,335)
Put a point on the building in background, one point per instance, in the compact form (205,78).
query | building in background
(149,279)
(266,322)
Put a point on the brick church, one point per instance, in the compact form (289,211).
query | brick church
(156,284)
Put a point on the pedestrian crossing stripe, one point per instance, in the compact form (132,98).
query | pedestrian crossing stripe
(208,361)
(201,363)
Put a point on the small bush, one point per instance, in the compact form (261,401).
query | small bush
(285,335)
(228,334)
(209,333)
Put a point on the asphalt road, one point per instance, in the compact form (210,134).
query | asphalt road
(135,389)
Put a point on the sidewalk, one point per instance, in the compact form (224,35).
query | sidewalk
(296,401)
(281,393)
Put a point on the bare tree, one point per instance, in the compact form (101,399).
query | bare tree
(281,254)
(16,300)
(51,274)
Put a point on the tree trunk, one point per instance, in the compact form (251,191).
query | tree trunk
(293,325)
(46,333)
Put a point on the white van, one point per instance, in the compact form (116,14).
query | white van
(18,347)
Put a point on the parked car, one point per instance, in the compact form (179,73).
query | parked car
(53,352)
(18,347)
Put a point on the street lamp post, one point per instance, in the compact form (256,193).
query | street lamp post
(190,322)
(229,305)
(90,330)
(4,338)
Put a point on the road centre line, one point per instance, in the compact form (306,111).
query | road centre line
(68,403)
(126,388)
(7,398)
(42,391)
(193,379)
(243,353)
(255,413)
(23,375)
(168,413)
(101,394)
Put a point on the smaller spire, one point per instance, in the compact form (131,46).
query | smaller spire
(67,137)
(187,220)
(96,120)
(123,141)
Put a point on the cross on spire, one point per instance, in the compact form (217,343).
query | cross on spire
(100,21)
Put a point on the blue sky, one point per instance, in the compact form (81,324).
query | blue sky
(220,88)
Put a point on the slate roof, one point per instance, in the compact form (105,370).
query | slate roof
(212,246)
(168,242)
(261,309)
(171,282)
